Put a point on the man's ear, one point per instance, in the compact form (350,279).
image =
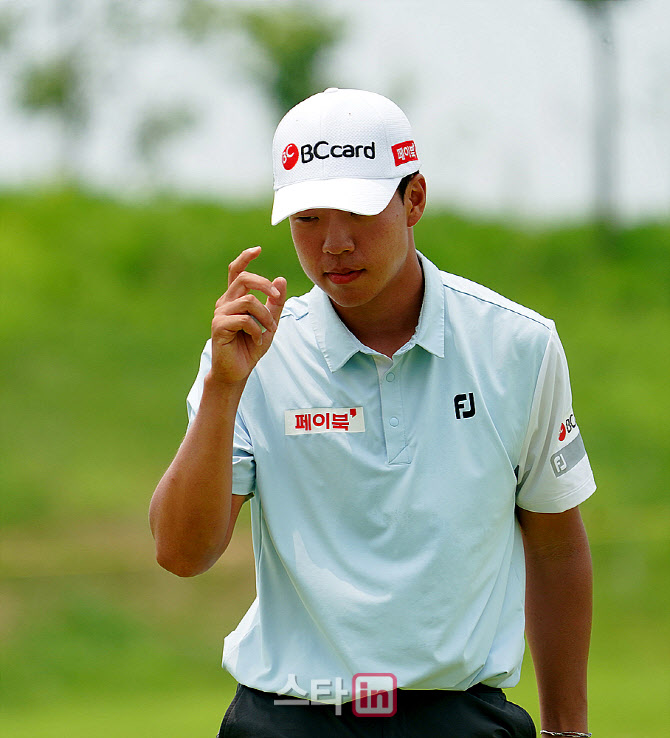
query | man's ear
(415,199)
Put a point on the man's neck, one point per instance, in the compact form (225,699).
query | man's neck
(387,324)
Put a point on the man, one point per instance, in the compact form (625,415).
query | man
(404,436)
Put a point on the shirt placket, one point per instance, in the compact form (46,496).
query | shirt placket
(393,417)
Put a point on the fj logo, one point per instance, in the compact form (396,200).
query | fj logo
(560,464)
(464,405)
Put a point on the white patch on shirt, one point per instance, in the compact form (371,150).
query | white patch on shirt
(324,420)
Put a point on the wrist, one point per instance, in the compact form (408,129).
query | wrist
(223,388)
(220,399)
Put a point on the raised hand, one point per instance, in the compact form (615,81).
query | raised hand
(242,327)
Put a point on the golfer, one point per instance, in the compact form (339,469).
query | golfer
(407,444)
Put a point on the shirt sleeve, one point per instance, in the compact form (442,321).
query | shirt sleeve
(244,465)
(554,473)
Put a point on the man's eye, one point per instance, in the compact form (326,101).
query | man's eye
(306,218)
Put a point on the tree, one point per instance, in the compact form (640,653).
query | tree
(68,84)
(289,41)
(156,127)
(8,24)
(605,117)
(56,87)
(292,41)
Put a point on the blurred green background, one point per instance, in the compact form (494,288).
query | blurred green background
(105,309)
(106,305)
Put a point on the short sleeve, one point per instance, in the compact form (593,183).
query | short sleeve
(554,472)
(244,465)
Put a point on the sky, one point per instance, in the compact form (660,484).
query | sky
(500,96)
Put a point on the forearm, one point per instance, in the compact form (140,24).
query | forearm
(190,509)
(558,628)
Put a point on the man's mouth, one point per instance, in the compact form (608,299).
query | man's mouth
(344,276)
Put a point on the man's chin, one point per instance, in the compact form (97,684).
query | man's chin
(344,298)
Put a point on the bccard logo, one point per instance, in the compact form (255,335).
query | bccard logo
(567,426)
(323,150)
(404,152)
(289,157)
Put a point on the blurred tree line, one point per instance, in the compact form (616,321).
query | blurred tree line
(289,42)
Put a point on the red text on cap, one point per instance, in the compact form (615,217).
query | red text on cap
(404,152)
(289,157)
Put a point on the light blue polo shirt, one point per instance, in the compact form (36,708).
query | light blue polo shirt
(384,490)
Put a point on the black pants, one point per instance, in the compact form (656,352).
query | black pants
(481,712)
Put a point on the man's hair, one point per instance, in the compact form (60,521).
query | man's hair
(402,186)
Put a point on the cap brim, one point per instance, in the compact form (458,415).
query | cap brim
(362,196)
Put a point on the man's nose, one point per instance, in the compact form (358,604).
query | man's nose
(338,238)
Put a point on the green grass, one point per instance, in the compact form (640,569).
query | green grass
(105,308)
(173,714)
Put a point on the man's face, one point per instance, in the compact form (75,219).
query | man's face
(356,260)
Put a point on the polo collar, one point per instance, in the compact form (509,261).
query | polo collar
(429,332)
(338,344)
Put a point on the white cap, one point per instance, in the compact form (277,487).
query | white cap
(341,149)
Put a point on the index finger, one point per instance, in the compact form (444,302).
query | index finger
(238,265)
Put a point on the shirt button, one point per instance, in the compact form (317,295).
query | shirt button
(390,377)
(394,421)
